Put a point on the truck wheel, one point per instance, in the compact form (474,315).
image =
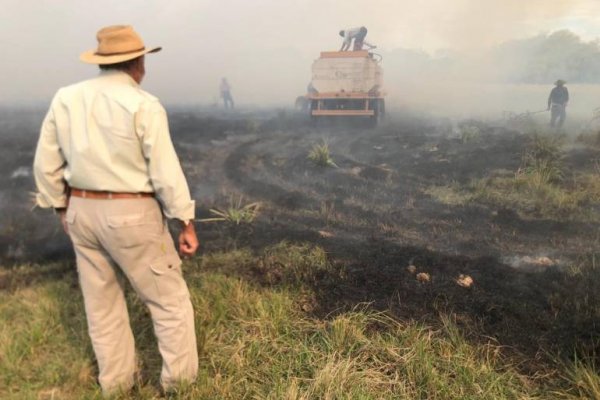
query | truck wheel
(373,120)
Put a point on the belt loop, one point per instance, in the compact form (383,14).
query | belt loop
(84,193)
(110,195)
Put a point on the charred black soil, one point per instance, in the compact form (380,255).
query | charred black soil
(374,214)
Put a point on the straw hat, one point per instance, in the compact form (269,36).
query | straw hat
(117,43)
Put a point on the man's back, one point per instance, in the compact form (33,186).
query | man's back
(113,137)
(95,124)
(225,86)
(559,95)
(105,161)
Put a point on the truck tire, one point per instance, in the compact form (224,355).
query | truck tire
(381,109)
(374,120)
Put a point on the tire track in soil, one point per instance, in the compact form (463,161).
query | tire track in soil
(374,265)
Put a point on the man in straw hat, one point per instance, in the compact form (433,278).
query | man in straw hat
(557,103)
(105,162)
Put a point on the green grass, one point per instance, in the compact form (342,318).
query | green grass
(320,155)
(257,342)
(451,194)
(539,188)
(528,194)
(469,133)
(236,213)
(543,160)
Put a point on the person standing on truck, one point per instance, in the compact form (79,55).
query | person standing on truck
(356,34)
(106,164)
(557,103)
(226,94)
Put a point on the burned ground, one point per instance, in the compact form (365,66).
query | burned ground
(378,212)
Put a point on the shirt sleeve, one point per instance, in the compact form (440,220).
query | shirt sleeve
(49,166)
(164,168)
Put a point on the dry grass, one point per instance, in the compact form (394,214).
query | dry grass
(533,195)
(469,133)
(451,194)
(543,160)
(258,343)
(538,188)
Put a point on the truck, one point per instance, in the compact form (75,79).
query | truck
(347,84)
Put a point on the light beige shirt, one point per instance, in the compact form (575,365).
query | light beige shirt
(107,134)
(350,34)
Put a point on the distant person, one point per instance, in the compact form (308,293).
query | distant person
(226,94)
(106,164)
(557,103)
(356,34)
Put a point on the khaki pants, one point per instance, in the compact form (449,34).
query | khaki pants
(132,235)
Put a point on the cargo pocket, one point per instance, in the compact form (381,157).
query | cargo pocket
(168,278)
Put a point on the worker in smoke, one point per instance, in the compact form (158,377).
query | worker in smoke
(557,103)
(356,34)
(226,94)
(106,164)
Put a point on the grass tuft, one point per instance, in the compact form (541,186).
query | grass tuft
(539,188)
(542,161)
(584,378)
(237,213)
(321,156)
(469,133)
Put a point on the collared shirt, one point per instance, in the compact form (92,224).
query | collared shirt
(559,96)
(225,87)
(350,34)
(107,134)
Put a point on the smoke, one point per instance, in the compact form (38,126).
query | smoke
(266,47)
(474,24)
(515,76)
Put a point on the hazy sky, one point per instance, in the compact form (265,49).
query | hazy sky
(264,47)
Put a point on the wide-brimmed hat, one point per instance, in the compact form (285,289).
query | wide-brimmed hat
(117,43)
(559,82)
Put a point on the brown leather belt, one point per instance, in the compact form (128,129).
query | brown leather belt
(94,194)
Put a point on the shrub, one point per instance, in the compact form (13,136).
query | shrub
(543,160)
(320,155)
(237,213)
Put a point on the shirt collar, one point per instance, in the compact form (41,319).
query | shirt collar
(119,76)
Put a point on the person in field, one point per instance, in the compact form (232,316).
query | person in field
(106,164)
(225,89)
(557,104)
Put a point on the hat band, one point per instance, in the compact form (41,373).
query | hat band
(120,53)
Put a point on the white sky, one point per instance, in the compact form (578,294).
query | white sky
(264,47)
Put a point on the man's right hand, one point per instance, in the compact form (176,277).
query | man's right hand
(188,241)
